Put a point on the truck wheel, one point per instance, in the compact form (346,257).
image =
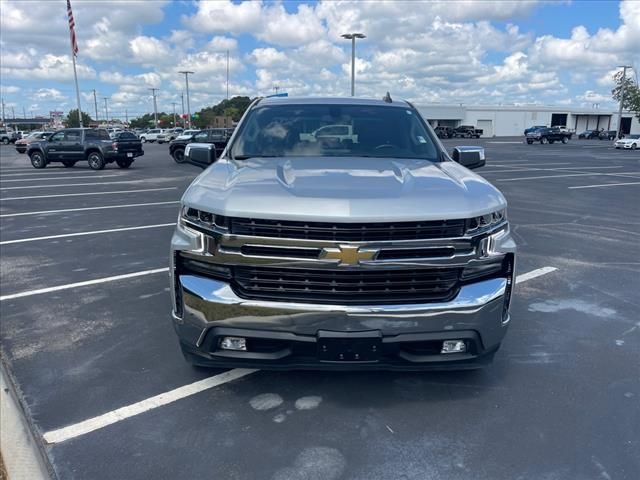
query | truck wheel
(5,141)
(565,139)
(143,139)
(544,140)
(37,160)
(124,163)
(68,163)
(178,155)
(96,162)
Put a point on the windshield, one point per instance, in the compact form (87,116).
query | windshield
(334,130)
(633,137)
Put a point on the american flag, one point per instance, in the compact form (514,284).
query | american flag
(72,32)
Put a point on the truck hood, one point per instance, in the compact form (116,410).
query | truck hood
(348,189)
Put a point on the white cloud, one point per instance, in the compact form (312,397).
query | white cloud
(48,94)
(219,44)
(226,16)
(149,50)
(51,67)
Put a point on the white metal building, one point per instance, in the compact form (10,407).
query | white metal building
(510,120)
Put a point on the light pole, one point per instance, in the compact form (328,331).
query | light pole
(624,83)
(95,103)
(106,110)
(186,79)
(155,107)
(352,37)
(174,114)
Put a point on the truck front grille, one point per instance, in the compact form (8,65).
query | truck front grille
(348,232)
(346,286)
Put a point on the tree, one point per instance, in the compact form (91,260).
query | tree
(71,120)
(631,99)
(234,108)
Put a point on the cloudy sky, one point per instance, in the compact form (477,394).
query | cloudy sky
(471,52)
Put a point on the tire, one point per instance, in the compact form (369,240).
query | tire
(124,163)
(565,140)
(38,160)
(544,140)
(178,155)
(21,150)
(634,146)
(143,139)
(68,163)
(529,142)
(96,162)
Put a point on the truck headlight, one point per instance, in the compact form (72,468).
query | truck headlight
(487,221)
(197,218)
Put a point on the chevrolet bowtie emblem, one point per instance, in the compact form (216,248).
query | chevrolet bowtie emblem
(348,255)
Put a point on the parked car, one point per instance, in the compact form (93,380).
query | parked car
(187,134)
(547,135)
(113,132)
(631,142)
(443,131)
(535,127)
(151,135)
(170,134)
(295,254)
(217,136)
(467,131)
(8,136)
(589,134)
(607,135)
(93,145)
(23,143)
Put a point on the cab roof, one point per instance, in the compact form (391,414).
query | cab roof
(331,101)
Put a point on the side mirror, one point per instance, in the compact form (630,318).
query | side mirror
(200,154)
(470,157)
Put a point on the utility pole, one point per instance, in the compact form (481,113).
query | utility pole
(352,37)
(24,112)
(155,107)
(174,114)
(227,74)
(106,110)
(182,116)
(3,112)
(624,79)
(186,79)
(126,116)
(95,103)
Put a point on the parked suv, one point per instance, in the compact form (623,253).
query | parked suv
(384,252)
(548,135)
(8,136)
(93,145)
(151,135)
(217,136)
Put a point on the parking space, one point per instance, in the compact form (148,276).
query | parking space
(87,339)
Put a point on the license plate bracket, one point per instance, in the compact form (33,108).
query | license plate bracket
(349,346)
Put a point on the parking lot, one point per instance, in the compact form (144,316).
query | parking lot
(88,342)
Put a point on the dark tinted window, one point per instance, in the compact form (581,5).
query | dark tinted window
(126,136)
(334,130)
(100,134)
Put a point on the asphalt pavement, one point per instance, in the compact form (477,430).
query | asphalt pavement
(87,339)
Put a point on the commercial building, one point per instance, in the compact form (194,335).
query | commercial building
(511,120)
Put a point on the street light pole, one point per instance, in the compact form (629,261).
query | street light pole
(184,125)
(95,103)
(352,37)
(155,107)
(624,80)
(106,110)
(186,79)
(174,114)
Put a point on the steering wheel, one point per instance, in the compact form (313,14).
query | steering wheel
(385,145)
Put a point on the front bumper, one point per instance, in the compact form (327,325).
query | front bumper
(286,335)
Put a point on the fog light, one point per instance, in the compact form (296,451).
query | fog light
(453,346)
(233,343)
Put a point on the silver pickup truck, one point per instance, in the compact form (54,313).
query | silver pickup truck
(373,249)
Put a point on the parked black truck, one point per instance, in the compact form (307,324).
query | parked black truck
(467,131)
(93,145)
(218,136)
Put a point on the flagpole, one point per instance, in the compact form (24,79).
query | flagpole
(75,76)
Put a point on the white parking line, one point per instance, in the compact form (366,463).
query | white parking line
(88,193)
(53,174)
(565,175)
(128,411)
(74,184)
(82,234)
(54,178)
(560,169)
(604,185)
(96,281)
(109,418)
(104,207)
(538,272)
